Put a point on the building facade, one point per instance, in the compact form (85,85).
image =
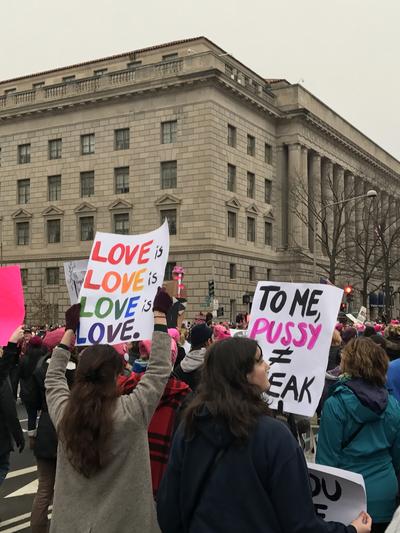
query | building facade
(181,131)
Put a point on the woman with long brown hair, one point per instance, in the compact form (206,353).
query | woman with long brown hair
(103,455)
(233,467)
(360,427)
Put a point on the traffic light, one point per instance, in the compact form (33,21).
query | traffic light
(348,291)
(211,288)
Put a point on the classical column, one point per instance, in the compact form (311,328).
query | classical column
(350,229)
(304,206)
(358,212)
(338,195)
(327,199)
(314,191)
(392,216)
(297,196)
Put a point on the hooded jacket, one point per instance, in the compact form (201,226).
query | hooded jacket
(189,368)
(247,489)
(360,432)
(393,347)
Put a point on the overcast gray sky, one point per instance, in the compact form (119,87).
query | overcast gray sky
(346,51)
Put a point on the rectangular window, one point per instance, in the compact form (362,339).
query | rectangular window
(121,139)
(87,144)
(87,184)
(10,91)
(252,273)
(170,215)
(121,223)
(121,180)
(231,224)
(54,187)
(24,191)
(268,233)
(232,270)
(22,230)
(251,185)
(168,271)
(24,153)
(268,154)
(24,276)
(231,183)
(55,146)
(52,276)
(251,229)
(68,79)
(133,64)
(251,145)
(267,191)
(168,174)
(0,157)
(100,72)
(53,231)
(269,270)
(86,226)
(38,85)
(168,132)
(169,57)
(231,136)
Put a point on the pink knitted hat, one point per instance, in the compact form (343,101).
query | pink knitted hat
(221,332)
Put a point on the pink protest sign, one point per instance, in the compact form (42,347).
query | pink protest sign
(12,309)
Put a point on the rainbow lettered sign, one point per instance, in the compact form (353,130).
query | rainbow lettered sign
(123,274)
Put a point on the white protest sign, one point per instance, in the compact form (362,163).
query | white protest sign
(351,317)
(338,495)
(293,323)
(74,275)
(362,314)
(122,278)
(238,332)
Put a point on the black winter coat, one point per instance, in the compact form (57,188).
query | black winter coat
(46,438)
(260,487)
(393,347)
(10,428)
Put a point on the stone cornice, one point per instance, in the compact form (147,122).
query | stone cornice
(323,128)
(128,83)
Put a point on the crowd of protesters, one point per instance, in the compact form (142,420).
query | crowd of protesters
(173,434)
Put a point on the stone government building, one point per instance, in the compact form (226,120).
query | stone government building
(183,131)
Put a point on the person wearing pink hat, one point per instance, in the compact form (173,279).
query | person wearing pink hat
(221,332)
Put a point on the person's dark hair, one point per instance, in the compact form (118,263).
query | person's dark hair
(224,389)
(379,339)
(87,422)
(31,358)
(369,331)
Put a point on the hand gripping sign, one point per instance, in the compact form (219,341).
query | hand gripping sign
(123,274)
(338,495)
(293,324)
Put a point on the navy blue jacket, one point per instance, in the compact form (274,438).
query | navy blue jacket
(262,486)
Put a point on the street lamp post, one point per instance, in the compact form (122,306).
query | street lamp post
(370,194)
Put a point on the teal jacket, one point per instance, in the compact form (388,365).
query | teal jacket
(374,451)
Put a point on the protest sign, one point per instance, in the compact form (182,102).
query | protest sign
(293,323)
(338,495)
(362,315)
(12,308)
(122,278)
(74,275)
(352,318)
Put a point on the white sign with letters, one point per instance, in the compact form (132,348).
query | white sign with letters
(293,324)
(338,495)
